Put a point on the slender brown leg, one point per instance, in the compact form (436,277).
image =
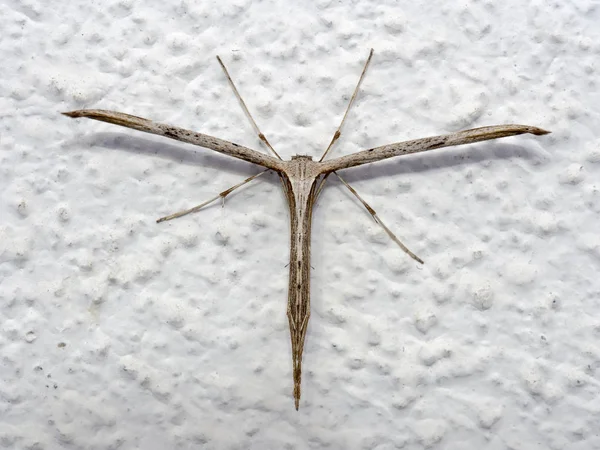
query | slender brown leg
(378,220)
(221,195)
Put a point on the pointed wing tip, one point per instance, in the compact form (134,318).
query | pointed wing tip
(540,131)
(71,113)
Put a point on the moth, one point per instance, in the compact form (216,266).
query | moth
(302,180)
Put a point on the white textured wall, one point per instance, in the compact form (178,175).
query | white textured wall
(116,332)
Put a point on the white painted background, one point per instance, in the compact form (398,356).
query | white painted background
(118,333)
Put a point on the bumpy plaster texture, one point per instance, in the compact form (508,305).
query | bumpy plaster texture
(117,332)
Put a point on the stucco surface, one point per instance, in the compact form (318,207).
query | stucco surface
(120,333)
